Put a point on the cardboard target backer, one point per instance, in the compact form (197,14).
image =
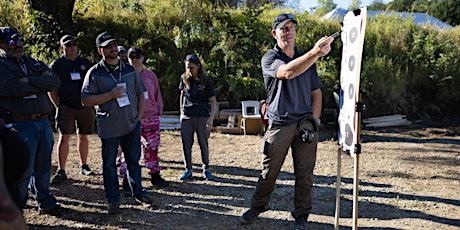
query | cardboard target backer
(354,27)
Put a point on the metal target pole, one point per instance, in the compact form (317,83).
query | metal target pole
(337,193)
(359,109)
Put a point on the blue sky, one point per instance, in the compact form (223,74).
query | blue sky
(307,4)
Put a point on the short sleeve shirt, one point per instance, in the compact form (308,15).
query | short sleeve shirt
(196,99)
(292,99)
(113,120)
(69,91)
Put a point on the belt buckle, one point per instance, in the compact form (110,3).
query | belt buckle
(35,117)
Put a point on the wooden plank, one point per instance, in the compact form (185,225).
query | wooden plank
(384,118)
(389,123)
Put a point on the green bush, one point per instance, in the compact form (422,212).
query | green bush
(405,68)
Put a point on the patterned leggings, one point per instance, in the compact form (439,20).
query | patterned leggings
(150,140)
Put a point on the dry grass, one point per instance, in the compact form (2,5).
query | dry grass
(409,179)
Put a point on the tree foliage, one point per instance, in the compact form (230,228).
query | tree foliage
(324,6)
(403,64)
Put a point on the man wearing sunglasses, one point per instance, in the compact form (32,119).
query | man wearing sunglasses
(118,92)
(294,103)
(71,69)
(25,82)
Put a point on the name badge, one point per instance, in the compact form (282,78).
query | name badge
(146,95)
(75,76)
(123,100)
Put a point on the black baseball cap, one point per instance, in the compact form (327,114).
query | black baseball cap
(66,39)
(135,50)
(103,39)
(281,20)
(7,33)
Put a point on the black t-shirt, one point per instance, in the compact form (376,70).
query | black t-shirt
(71,74)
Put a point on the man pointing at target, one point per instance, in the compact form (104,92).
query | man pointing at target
(294,105)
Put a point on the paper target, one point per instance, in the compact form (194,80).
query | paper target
(353,41)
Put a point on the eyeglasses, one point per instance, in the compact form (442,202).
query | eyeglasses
(135,56)
(71,44)
(16,40)
(121,53)
(283,17)
(110,46)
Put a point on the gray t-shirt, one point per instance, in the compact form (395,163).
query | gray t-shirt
(113,120)
(292,98)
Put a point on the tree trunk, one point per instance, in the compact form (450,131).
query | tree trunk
(61,11)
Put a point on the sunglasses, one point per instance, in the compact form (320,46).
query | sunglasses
(135,56)
(17,40)
(110,46)
(283,17)
(121,53)
(71,44)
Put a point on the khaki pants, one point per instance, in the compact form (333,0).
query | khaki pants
(277,143)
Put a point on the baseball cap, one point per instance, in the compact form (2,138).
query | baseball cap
(66,39)
(281,20)
(7,33)
(121,48)
(135,50)
(103,39)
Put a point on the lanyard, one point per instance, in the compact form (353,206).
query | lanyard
(23,66)
(111,75)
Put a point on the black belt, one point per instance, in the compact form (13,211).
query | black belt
(33,117)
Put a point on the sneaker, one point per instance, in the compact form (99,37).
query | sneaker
(143,200)
(207,174)
(126,189)
(59,177)
(300,224)
(158,181)
(249,216)
(114,208)
(186,175)
(85,170)
(56,210)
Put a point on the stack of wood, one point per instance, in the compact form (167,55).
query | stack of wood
(386,121)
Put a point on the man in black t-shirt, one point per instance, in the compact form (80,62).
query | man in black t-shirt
(71,70)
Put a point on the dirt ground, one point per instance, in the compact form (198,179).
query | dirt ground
(409,178)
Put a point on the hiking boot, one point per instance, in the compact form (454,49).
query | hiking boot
(300,224)
(158,181)
(249,216)
(59,177)
(56,210)
(143,200)
(126,189)
(85,170)
(207,174)
(186,175)
(114,208)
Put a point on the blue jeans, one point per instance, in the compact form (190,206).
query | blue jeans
(131,146)
(40,140)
